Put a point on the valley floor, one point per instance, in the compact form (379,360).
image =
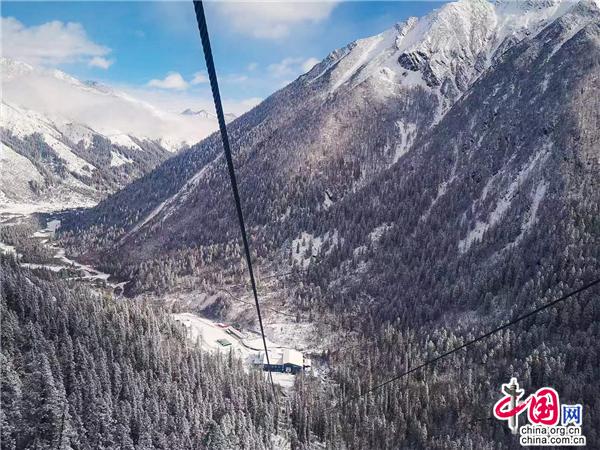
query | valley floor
(216,337)
(212,336)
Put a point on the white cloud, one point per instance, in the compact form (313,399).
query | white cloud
(252,66)
(285,67)
(199,78)
(173,80)
(99,61)
(236,78)
(291,66)
(50,43)
(177,101)
(272,19)
(309,64)
(136,110)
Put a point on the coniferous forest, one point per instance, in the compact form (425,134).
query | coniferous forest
(80,371)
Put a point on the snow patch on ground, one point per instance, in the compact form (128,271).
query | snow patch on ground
(328,201)
(379,231)
(366,47)
(118,160)
(538,195)
(306,246)
(442,188)
(124,141)
(7,249)
(51,267)
(77,133)
(502,204)
(74,163)
(406,136)
(61,202)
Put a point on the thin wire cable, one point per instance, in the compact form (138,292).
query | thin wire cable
(274,275)
(214,85)
(469,343)
(237,299)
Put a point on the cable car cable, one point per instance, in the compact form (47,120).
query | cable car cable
(469,343)
(214,85)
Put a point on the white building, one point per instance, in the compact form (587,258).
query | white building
(288,361)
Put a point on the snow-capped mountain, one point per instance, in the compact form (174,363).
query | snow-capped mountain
(80,131)
(52,164)
(106,110)
(202,113)
(342,153)
(444,51)
(412,191)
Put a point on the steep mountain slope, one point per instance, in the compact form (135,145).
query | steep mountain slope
(46,165)
(325,136)
(70,143)
(506,184)
(494,213)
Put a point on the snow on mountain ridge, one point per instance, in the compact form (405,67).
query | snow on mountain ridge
(445,50)
(23,123)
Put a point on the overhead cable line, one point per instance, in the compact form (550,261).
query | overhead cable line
(471,342)
(237,299)
(214,85)
(274,275)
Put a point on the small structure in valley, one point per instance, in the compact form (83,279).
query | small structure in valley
(288,361)
(236,333)
(224,342)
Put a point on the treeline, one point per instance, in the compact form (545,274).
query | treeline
(80,371)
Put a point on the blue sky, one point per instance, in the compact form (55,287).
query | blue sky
(153,48)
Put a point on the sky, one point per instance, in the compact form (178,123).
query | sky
(152,49)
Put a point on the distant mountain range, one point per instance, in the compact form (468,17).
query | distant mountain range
(69,143)
(206,115)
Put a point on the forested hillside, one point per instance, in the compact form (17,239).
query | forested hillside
(80,371)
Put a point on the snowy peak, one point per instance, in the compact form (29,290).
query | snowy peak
(444,51)
(200,113)
(48,164)
(11,68)
(203,114)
